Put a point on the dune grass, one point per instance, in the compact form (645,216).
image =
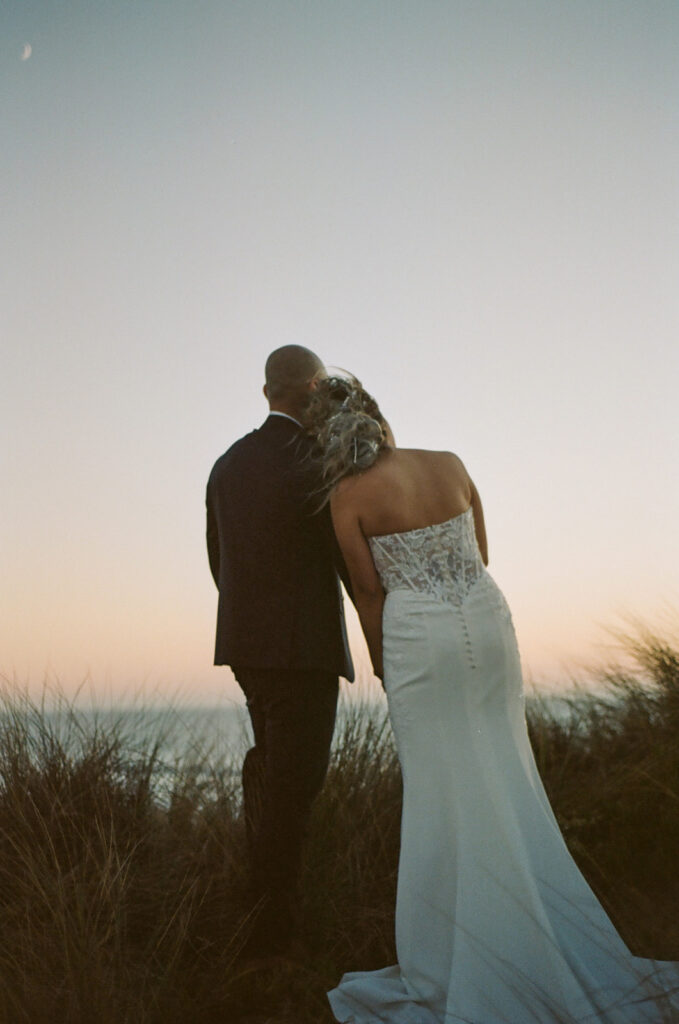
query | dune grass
(122,875)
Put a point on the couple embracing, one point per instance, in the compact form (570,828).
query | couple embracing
(494,922)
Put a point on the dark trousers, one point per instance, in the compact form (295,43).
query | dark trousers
(293,717)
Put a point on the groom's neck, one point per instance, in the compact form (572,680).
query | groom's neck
(289,408)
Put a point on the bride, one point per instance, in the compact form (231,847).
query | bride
(494,922)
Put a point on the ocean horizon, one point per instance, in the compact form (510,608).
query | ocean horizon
(199,733)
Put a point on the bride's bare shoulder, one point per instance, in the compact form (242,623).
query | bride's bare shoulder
(453,458)
(431,454)
(436,456)
(445,465)
(358,488)
(344,492)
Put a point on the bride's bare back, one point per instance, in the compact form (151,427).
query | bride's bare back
(406,489)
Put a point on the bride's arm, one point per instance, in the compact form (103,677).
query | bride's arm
(367,589)
(463,478)
(479,524)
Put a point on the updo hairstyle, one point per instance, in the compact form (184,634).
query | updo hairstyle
(347,426)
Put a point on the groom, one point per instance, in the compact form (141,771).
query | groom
(280,626)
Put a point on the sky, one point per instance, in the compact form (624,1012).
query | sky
(471,205)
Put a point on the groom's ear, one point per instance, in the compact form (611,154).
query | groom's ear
(266,392)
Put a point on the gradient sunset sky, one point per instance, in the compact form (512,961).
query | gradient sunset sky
(474,206)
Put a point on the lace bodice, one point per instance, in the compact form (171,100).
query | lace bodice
(442,560)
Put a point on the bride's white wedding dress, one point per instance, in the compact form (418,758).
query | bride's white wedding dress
(494,922)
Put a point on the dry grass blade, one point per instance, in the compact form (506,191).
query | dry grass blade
(122,874)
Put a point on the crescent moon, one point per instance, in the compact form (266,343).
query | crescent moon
(27,51)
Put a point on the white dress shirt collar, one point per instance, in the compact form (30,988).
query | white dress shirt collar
(275,412)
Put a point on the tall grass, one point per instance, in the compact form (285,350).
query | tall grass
(122,874)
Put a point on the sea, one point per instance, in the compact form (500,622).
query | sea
(207,742)
(190,732)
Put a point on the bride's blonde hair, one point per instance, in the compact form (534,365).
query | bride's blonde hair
(347,426)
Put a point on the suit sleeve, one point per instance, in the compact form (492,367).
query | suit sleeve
(310,492)
(331,540)
(212,536)
(340,565)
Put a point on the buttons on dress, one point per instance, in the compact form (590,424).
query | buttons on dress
(469,650)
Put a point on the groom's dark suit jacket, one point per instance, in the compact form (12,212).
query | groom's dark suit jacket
(274,559)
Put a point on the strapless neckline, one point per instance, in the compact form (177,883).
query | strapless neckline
(421,529)
(441,560)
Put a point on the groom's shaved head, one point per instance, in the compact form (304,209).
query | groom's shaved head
(288,372)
